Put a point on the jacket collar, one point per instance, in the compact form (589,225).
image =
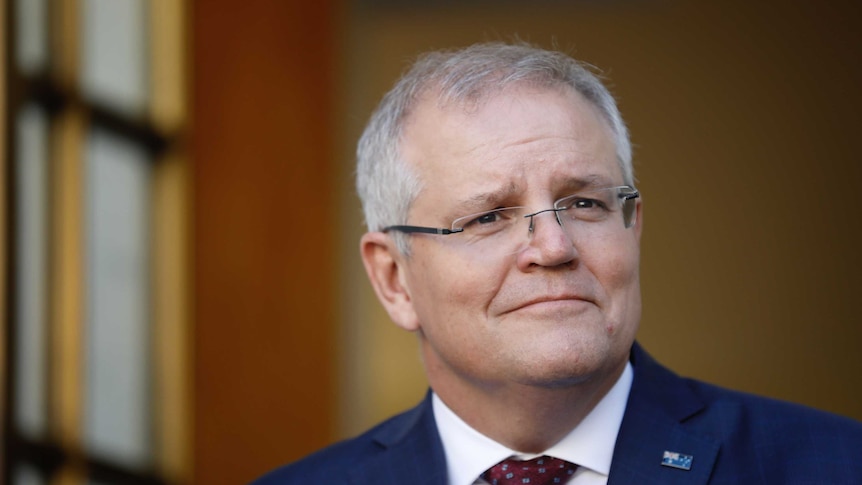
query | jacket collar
(654,424)
(412,451)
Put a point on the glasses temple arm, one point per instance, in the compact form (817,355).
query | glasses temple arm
(421,229)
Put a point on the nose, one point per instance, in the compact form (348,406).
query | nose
(549,245)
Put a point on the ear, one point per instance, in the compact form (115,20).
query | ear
(385,266)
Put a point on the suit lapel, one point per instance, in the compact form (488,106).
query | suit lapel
(410,452)
(659,404)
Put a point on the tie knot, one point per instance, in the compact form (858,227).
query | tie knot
(543,470)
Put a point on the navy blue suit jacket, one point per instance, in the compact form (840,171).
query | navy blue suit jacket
(732,437)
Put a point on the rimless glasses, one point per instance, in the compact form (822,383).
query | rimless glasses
(584,214)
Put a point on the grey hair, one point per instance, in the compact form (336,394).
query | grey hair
(388,185)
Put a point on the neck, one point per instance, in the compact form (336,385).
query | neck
(524,418)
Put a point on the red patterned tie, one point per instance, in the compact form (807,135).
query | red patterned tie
(543,470)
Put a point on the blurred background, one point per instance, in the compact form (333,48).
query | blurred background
(182,299)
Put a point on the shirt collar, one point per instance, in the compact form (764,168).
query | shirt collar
(590,444)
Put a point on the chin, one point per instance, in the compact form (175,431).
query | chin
(567,365)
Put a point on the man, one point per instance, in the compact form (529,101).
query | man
(504,230)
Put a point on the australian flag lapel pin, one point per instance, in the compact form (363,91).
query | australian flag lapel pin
(677,460)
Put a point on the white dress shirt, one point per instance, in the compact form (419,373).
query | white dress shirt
(590,445)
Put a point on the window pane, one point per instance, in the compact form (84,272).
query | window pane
(31,44)
(114,58)
(31,278)
(117,410)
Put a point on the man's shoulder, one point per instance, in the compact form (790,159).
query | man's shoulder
(778,441)
(328,465)
(695,401)
(335,463)
(768,418)
(733,436)
(764,418)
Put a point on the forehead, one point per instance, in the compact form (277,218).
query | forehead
(520,139)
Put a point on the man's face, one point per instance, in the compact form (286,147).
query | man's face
(560,311)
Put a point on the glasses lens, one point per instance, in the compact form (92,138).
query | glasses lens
(593,206)
(628,196)
(488,223)
(629,205)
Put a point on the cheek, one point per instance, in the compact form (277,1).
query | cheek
(623,272)
(451,299)
(615,262)
(626,297)
(448,288)
(452,306)
(616,267)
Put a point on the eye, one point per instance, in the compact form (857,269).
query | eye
(587,204)
(583,208)
(583,203)
(487,223)
(484,219)
(487,218)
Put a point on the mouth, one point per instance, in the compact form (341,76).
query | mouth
(553,302)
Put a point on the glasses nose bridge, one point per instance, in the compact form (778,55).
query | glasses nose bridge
(532,216)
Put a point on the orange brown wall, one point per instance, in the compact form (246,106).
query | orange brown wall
(262,149)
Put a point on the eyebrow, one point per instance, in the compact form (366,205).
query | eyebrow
(496,198)
(487,200)
(592,181)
